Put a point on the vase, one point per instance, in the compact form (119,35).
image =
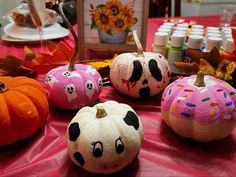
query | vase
(116,37)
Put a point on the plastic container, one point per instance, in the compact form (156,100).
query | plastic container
(212,42)
(160,43)
(195,43)
(229,45)
(175,50)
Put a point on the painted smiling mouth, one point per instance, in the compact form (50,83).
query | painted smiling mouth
(109,166)
(144,92)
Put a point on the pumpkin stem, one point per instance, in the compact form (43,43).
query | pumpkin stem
(72,60)
(3,87)
(138,44)
(101,112)
(200,80)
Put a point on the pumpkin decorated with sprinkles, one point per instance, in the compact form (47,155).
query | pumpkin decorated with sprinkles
(200,107)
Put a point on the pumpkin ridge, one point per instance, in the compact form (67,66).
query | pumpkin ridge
(7,80)
(5,124)
(29,82)
(23,125)
(38,99)
(172,94)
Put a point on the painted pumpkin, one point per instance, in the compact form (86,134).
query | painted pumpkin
(24,108)
(104,138)
(141,74)
(198,107)
(75,85)
(73,89)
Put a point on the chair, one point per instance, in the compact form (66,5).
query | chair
(163,8)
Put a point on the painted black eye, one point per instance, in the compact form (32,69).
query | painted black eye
(155,71)
(119,145)
(137,71)
(97,149)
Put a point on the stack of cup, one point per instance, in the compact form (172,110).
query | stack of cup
(226,34)
(166,28)
(212,42)
(213,38)
(229,46)
(169,24)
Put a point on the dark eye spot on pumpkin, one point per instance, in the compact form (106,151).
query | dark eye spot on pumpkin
(97,149)
(119,145)
(79,158)
(137,71)
(155,71)
(74,131)
(131,119)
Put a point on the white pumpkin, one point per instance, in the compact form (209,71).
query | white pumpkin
(104,138)
(141,74)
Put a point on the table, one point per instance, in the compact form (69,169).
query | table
(163,153)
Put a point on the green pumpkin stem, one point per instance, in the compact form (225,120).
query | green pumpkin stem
(101,112)
(72,60)
(3,87)
(200,80)
(138,44)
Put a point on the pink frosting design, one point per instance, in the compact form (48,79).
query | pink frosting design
(213,103)
(73,89)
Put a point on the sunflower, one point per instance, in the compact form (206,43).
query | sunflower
(115,6)
(120,23)
(129,13)
(103,19)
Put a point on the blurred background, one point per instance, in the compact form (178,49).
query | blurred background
(157,8)
(162,8)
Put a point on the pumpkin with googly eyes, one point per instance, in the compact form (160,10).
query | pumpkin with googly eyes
(141,74)
(104,138)
(200,107)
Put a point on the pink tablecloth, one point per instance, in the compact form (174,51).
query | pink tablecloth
(163,153)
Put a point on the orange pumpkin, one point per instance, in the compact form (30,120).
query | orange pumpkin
(23,108)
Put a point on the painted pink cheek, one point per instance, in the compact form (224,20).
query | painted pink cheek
(109,166)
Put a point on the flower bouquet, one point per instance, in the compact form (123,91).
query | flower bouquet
(113,20)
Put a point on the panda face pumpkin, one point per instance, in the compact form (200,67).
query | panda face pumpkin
(140,76)
(108,144)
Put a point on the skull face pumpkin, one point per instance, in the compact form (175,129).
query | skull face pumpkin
(140,76)
(104,138)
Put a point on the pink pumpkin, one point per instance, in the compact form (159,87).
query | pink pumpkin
(198,107)
(75,85)
(73,89)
